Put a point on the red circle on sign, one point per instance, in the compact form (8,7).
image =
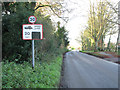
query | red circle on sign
(32,19)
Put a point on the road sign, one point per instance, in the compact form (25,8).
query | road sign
(32,19)
(32,31)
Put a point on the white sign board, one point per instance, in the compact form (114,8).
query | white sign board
(32,19)
(32,31)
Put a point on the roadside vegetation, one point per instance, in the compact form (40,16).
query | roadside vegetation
(102,23)
(17,69)
(44,75)
(115,54)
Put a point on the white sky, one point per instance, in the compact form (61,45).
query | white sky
(78,19)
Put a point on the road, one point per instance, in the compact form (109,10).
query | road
(86,71)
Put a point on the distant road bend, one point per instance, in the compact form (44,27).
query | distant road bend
(85,71)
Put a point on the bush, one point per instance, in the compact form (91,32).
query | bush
(44,75)
(14,46)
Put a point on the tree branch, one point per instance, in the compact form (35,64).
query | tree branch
(51,10)
(111,6)
(113,21)
(41,6)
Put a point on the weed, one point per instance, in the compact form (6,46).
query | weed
(45,75)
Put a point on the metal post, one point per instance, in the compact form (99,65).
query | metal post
(33,62)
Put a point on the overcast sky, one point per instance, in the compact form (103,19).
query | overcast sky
(78,19)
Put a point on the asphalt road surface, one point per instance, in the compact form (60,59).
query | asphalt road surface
(86,71)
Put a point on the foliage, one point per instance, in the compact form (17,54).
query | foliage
(16,49)
(118,51)
(87,51)
(98,27)
(86,41)
(72,48)
(44,75)
(111,47)
(14,46)
(62,35)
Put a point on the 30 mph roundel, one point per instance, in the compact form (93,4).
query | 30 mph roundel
(32,19)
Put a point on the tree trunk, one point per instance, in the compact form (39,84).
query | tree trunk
(108,46)
(102,44)
(118,38)
(96,45)
(118,41)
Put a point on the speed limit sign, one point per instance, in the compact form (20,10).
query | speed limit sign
(32,19)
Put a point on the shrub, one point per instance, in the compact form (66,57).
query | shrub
(44,75)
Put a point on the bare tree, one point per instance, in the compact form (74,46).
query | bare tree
(53,8)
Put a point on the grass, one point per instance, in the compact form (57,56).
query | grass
(86,51)
(99,55)
(95,54)
(44,75)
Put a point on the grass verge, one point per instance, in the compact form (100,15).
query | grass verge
(87,51)
(97,54)
(44,75)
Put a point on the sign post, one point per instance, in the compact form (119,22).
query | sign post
(33,62)
(32,19)
(32,32)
